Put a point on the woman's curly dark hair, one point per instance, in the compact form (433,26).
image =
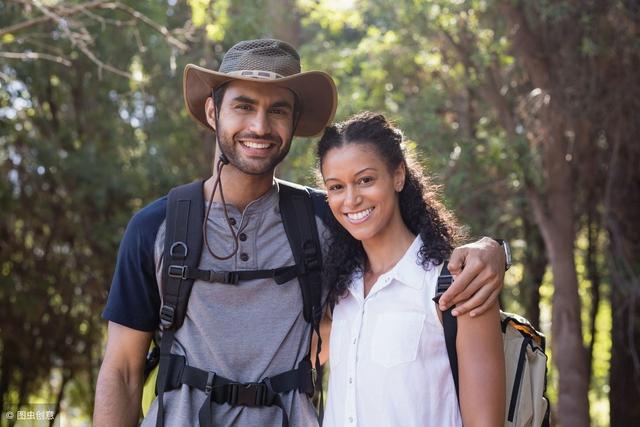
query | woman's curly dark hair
(421,210)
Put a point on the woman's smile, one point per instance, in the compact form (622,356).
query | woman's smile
(360,216)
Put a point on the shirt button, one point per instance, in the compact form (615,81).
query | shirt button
(232,221)
(354,340)
(242,237)
(350,380)
(244,257)
(350,419)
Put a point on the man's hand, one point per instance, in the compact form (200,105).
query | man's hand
(478,270)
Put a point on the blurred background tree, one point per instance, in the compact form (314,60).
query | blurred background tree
(525,112)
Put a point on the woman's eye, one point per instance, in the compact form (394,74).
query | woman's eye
(366,180)
(334,187)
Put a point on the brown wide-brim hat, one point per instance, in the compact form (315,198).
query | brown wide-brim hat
(270,62)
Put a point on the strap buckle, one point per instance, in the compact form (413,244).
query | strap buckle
(310,256)
(209,386)
(178,271)
(167,314)
(444,281)
(250,394)
(231,277)
(178,250)
(226,277)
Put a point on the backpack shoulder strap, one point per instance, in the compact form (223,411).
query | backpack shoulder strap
(298,218)
(182,249)
(449,324)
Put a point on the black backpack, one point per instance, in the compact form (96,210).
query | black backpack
(183,247)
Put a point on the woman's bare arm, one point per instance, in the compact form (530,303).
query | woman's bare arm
(481,369)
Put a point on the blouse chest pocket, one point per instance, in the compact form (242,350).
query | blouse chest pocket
(396,337)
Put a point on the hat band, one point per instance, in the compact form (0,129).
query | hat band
(256,74)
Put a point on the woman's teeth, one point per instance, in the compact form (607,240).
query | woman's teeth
(359,215)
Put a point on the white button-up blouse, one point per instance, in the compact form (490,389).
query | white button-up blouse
(388,359)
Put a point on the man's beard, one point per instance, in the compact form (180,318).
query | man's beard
(257,167)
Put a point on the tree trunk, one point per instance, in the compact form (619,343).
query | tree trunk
(625,357)
(66,376)
(593,273)
(22,396)
(283,21)
(622,210)
(535,265)
(4,375)
(555,215)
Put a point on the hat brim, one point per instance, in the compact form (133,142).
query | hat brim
(316,92)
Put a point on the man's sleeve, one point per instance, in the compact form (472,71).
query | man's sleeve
(133,299)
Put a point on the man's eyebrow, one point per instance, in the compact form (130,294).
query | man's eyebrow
(246,99)
(281,104)
(278,104)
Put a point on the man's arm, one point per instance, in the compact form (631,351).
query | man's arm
(120,381)
(478,268)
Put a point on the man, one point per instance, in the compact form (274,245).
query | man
(254,330)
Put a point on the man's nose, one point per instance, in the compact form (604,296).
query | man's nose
(260,123)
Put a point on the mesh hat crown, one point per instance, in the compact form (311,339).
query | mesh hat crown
(272,62)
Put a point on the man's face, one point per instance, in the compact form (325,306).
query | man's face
(254,126)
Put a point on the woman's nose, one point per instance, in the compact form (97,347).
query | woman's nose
(353,197)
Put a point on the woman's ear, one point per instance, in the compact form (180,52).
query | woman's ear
(399,177)
(210,112)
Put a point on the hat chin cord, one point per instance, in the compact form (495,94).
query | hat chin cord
(222,161)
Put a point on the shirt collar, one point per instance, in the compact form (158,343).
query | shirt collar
(407,271)
(262,203)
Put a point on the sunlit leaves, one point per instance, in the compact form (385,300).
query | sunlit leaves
(333,16)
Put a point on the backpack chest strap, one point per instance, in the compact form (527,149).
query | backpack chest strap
(219,389)
(279,275)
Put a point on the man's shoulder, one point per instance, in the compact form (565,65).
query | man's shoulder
(320,205)
(148,219)
(318,197)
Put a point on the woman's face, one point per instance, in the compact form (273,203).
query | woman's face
(362,192)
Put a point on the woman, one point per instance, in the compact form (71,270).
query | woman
(389,364)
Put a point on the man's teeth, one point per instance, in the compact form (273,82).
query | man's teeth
(251,144)
(359,215)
